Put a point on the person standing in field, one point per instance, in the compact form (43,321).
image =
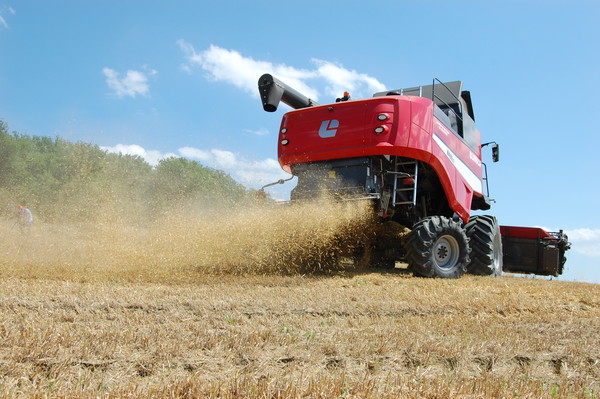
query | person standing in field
(25,219)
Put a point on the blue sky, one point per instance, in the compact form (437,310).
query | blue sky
(161,78)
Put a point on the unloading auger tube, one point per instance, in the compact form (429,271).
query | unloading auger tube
(272,91)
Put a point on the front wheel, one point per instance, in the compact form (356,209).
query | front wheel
(438,247)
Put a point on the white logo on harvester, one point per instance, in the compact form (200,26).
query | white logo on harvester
(329,128)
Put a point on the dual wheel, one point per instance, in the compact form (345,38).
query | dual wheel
(440,247)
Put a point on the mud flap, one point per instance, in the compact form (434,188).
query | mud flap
(533,250)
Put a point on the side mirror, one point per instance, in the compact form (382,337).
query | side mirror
(495,152)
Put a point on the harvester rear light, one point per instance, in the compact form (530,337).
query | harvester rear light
(285,142)
(383,117)
(381,129)
(284,130)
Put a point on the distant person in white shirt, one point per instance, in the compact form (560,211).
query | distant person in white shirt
(25,219)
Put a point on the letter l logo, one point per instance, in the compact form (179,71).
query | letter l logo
(329,128)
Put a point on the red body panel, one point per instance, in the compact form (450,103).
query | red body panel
(532,233)
(346,130)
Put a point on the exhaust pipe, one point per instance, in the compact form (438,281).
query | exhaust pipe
(272,91)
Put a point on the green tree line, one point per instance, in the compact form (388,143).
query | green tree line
(60,180)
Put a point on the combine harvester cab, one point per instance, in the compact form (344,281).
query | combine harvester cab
(417,155)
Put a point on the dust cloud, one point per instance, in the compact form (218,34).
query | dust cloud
(187,242)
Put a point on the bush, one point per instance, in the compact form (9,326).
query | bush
(60,180)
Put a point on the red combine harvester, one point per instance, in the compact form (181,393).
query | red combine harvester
(416,154)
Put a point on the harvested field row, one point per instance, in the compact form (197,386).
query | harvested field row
(366,335)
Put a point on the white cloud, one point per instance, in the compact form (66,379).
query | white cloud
(224,159)
(341,79)
(194,153)
(260,173)
(150,156)
(252,174)
(132,84)
(259,132)
(584,234)
(232,67)
(585,241)
(3,10)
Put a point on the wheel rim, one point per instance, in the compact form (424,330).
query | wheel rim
(445,252)
(497,253)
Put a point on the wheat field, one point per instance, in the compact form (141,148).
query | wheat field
(234,304)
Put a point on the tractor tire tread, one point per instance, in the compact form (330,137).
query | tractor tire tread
(419,247)
(481,231)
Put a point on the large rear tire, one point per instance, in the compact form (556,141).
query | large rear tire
(486,246)
(438,247)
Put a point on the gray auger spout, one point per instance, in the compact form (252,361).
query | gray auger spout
(272,91)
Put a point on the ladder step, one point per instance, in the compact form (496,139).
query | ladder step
(404,169)
(405,163)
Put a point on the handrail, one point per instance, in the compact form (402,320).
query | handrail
(434,96)
(485,177)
